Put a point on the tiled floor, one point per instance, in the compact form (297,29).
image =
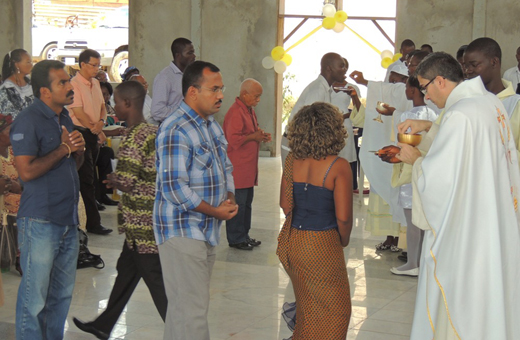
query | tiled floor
(248,288)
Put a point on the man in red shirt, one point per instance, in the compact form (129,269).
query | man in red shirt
(244,138)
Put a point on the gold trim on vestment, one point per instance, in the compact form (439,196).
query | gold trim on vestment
(442,291)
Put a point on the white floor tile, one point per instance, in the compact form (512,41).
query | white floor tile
(248,288)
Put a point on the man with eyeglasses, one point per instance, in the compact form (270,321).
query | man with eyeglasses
(483,58)
(465,197)
(88,113)
(244,137)
(195,193)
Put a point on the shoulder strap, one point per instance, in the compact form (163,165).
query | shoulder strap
(327,173)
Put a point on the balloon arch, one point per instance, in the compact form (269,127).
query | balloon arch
(334,20)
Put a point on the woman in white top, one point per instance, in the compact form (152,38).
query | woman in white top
(16,91)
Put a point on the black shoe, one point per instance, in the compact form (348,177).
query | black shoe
(100,207)
(253,242)
(108,201)
(403,258)
(242,246)
(100,230)
(89,328)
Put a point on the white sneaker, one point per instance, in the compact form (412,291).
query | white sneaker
(411,272)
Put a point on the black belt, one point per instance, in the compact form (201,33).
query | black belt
(81,128)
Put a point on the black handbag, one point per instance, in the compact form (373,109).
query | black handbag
(85,257)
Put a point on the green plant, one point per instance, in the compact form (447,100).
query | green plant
(288,98)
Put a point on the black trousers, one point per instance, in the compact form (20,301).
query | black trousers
(237,228)
(355,165)
(87,176)
(131,267)
(104,167)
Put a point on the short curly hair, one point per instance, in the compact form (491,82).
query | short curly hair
(316,131)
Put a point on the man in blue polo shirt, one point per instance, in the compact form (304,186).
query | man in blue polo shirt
(47,154)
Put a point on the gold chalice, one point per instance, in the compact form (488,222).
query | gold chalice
(409,139)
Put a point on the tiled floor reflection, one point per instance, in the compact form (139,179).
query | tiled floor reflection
(248,288)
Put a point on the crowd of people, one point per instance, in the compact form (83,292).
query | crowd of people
(454,192)
(182,175)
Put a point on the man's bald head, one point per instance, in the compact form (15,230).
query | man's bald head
(328,59)
(333,68)
(250,92)
(248,85)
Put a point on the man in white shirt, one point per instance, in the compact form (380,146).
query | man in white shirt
(407,46)
(167,86)
(333,69)
(513,74)
(465,197)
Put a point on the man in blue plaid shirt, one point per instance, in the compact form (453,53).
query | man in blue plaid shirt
(195,193)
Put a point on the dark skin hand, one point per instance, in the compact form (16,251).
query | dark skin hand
(113,183)
(8,185)
(5,184)
(388,154)
(389,111)
(32,167)
(359,78)
(225,211)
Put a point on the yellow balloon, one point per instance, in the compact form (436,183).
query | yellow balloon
(329,23)
(341,16)
(386,62)
(287,59)
(277,53)
(397,56)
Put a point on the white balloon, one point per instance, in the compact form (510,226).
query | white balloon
(386,54)
(280,67)
(329,10)
(268,62)
(339,27)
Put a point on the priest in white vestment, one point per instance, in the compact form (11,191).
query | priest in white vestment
(465,197)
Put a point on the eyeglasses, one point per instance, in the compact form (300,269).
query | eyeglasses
(424,89)
(96,66)
(214,89)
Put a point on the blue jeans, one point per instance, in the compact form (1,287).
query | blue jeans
(237,228)
(49,256)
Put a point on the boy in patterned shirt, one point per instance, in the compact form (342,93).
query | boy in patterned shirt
(135,177)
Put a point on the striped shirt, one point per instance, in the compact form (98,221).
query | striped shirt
(192,166)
